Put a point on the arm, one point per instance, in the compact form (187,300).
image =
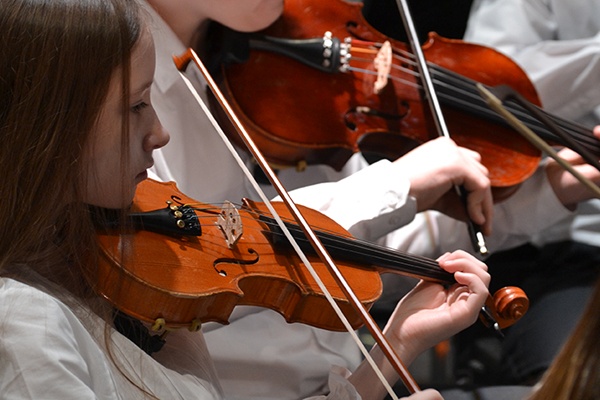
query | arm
(557,43)
(385,196)
(566,187)
(428,314)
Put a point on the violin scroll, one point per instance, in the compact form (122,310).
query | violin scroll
(511,303)
(505,307)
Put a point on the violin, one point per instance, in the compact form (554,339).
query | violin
(318,102)
(184,263)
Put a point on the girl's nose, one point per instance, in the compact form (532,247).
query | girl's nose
(158,137)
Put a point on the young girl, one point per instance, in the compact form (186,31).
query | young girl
(78,129)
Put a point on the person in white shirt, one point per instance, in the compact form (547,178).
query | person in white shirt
(557,43)
(374,214)
(79,132)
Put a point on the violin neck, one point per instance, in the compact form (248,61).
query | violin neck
(358,252)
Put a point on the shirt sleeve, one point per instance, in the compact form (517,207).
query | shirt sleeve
(385,213)
(370,203)
(532,209)
(555,42)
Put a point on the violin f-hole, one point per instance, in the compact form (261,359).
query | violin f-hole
(228,260)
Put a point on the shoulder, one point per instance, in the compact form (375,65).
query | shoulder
(45,349)
(26,310)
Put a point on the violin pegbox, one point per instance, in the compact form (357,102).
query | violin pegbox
(230,223)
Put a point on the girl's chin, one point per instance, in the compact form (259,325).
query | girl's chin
(142,176)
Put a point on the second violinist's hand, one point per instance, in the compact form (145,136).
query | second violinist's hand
(431,313)
(566,187)
(435,167)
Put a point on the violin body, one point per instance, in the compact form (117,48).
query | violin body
(300,115)
(188,280)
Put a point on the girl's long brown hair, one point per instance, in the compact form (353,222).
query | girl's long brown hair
(57,58)
(575,373)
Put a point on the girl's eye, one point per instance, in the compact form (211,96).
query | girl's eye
(139,107)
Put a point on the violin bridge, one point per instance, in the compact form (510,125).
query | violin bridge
(383,65)
(230,223)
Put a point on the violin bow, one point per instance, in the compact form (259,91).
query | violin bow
(475,233)
(496,104)
(190,56)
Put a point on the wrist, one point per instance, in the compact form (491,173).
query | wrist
(404,347)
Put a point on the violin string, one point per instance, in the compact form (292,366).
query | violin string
(382,257)
(462,96)
(452,95)
(360,250)
(465,99)
(461,92)
(345,243)
(469,86)
(343,285)
(469,89)
(459,84)
(342,242)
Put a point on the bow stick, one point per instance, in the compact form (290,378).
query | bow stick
(438,117)
(182,62)
(496,104)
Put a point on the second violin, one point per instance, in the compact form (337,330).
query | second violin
(370,99)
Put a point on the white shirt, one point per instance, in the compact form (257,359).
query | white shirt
(52,351)
(557,43)
(371,204)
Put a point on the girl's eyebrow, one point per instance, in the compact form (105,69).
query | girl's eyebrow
(143,88)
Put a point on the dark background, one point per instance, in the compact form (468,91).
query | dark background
(446,17)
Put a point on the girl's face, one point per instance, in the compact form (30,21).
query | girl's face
(245,15)
(103,152)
